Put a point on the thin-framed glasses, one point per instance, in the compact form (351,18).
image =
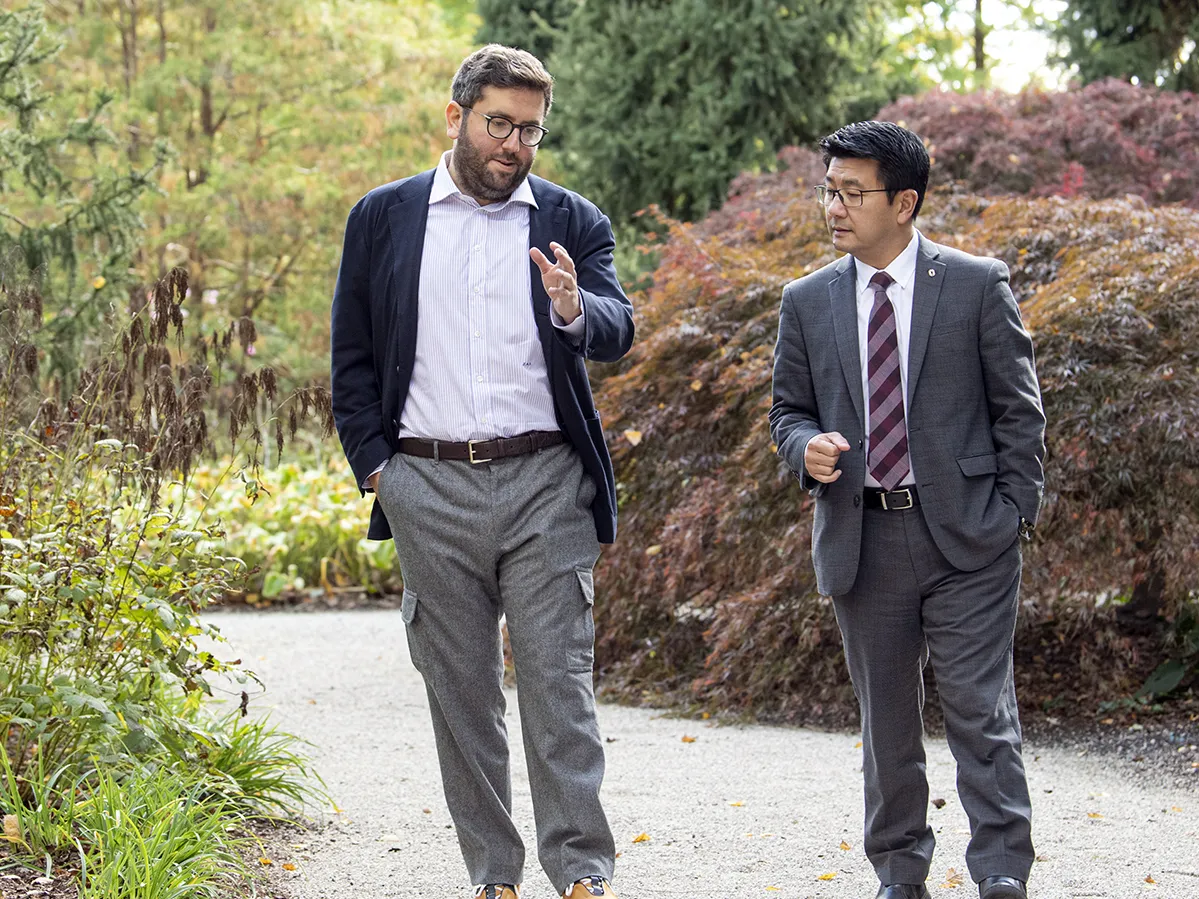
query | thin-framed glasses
(850,196)
(500,127)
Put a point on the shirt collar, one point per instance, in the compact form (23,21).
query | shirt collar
(902,268)
(444,186)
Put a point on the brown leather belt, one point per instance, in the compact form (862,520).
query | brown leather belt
(476,451)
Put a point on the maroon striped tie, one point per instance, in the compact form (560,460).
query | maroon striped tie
(888,459)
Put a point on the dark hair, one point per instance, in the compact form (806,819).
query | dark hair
(901,156)
(498,66)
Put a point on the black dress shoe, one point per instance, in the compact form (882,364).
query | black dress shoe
(903,891)
(1000,887)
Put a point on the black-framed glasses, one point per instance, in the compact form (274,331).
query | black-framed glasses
(500,128)
(850,196)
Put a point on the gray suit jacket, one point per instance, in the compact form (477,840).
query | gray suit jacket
(976,429)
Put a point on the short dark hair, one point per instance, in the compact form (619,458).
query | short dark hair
(498,66)
(901,156)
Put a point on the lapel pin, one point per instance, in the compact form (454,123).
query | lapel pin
(932,273)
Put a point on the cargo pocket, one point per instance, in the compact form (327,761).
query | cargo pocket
(581,657)
(408,613)
(408,606)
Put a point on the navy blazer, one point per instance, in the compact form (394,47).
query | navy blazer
(373,334)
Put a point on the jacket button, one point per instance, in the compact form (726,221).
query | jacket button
(859,443)
(857,500)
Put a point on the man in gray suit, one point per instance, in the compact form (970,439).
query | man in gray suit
(906,400)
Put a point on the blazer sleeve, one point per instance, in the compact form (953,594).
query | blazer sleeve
(794,417)
(608,317)
(1013,396)
(357,398)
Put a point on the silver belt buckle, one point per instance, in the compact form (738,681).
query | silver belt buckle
(889,507)
(470,451)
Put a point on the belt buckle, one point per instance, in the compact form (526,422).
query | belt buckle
(889,507)
(470,452)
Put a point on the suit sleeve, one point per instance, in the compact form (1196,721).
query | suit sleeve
(794,417)
(357,399)
(608,321)
(1013,396)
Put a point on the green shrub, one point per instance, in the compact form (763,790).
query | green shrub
(300,527)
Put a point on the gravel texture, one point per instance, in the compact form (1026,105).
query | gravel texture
(697,809)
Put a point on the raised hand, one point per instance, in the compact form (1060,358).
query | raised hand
(559,280)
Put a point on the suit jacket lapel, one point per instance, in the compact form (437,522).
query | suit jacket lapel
(930,274)
(407,219)
(546,222)
(842,292)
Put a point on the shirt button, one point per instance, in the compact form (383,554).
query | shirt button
(477,334)
(479,379)
(476,248)
(476,290)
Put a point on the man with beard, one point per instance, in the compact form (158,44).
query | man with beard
(468,298)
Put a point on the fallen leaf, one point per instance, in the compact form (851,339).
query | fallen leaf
(1094,815)
(687,739)
(427,811)
(737,804)
(845,847)
(265,861)
(1149,879)
(12,827)
(829,876)
(953,880)
(1175,808)
(697,384)
(641,838)
(707,715)
(653,550)
(772,889)
(857,745)
(98,283)
(288,866)
(938,802)
(634,437)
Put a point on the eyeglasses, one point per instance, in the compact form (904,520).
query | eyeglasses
(500,127)
(850,196)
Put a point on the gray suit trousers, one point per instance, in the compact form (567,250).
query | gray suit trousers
(512,537)
(908,606)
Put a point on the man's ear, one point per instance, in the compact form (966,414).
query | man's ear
(453,120)
(905,209)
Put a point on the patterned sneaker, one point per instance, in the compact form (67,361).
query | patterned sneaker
(497,891)
(589,887)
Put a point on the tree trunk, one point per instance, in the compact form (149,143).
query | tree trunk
(980,36)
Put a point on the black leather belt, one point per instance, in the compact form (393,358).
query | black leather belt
(476,451)
(892,500)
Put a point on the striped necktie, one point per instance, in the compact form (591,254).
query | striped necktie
(888,458)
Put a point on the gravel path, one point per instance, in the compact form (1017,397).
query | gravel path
(744,811)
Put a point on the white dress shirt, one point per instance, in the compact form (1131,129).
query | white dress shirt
(479,371)
(902,270)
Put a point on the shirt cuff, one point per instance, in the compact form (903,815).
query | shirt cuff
(576,328)
(366,485)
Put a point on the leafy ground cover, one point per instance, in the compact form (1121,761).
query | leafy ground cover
(299,528)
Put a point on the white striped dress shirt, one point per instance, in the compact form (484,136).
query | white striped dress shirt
(480,371)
